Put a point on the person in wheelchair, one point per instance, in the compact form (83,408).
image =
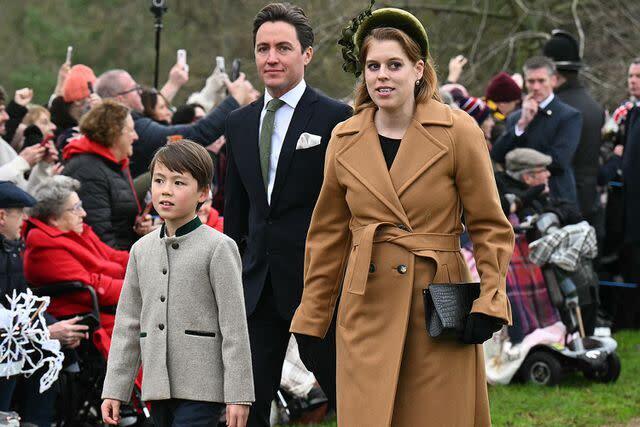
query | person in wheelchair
(35,408)
(524,187)
(60,247)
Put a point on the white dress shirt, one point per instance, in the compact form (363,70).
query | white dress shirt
(541,106)
(281,125)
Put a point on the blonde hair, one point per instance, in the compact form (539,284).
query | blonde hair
(34,114)
(428,87)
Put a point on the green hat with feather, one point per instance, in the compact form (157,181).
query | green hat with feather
(361,26)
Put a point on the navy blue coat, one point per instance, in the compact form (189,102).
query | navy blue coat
(272,237)
(153,135)
(555,131)
(11,272)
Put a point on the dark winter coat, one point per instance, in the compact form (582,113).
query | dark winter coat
(11,274)
(107,191)
(585,161)
(153,135)
(555,131)
(631,175)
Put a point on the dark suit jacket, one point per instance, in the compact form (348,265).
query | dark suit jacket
(586,160)
(272,237)
(555,131)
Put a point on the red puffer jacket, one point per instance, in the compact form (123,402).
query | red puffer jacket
(54,256)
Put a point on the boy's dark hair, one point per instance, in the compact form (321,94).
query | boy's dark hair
(186,156)
(3,96)
(286,12)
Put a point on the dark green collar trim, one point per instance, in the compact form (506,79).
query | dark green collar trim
(185,229)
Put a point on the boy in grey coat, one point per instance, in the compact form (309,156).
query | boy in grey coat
(181,312)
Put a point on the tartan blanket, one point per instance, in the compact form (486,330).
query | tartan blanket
(530,303)
(565,246)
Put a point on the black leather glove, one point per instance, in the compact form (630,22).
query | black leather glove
(32,136)
(307,346)
(480,328)
(306,341)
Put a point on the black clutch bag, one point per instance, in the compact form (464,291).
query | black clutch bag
(447,306)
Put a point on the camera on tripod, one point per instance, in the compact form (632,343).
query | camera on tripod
(158,7)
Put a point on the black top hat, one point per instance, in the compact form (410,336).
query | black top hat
(564,50)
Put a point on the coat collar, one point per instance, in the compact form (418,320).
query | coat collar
(428,113)
(50,230)
(419,150)
(182,230)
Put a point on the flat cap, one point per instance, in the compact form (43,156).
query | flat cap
(525,158)
(13,197)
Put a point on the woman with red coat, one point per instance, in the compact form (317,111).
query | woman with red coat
(209,215)
(60,247)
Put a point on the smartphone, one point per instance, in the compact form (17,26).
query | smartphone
(182,57)
(89,320)
(235,70)
(69,53)
(220,63)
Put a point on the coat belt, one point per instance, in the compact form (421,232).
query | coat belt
(420,244)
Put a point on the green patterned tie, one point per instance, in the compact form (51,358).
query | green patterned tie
(265,137)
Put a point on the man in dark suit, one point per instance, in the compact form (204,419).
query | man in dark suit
(563,49)
(276,149)
(545,124)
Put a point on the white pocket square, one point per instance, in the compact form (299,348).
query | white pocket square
(308,140)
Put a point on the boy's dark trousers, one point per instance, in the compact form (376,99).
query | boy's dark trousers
(185,413)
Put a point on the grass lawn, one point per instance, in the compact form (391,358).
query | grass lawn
(577,401)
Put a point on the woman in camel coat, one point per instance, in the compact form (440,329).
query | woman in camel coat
(399,175)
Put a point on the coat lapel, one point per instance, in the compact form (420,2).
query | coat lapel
(419,149)
(299,121)
(363,159)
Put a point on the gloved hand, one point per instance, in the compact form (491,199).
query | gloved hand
(306,340)
(480,328)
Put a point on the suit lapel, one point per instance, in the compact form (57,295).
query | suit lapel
(299,121)
(364,159)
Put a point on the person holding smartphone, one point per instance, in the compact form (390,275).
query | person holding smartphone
(119,85)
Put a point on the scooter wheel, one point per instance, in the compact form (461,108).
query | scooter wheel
(542,368)
(609,374)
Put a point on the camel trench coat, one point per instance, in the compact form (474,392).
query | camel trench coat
(377,238)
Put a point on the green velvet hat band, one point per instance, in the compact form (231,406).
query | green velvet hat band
(394,18)
(359,27)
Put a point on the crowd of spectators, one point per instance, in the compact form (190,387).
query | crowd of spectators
(80,164)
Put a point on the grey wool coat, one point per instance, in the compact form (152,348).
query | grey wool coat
(181,313)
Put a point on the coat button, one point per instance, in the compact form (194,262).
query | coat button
(403,227)
(175,246)
(161,326)
(162,298)
(372,268)
(164,271)
(402,269)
